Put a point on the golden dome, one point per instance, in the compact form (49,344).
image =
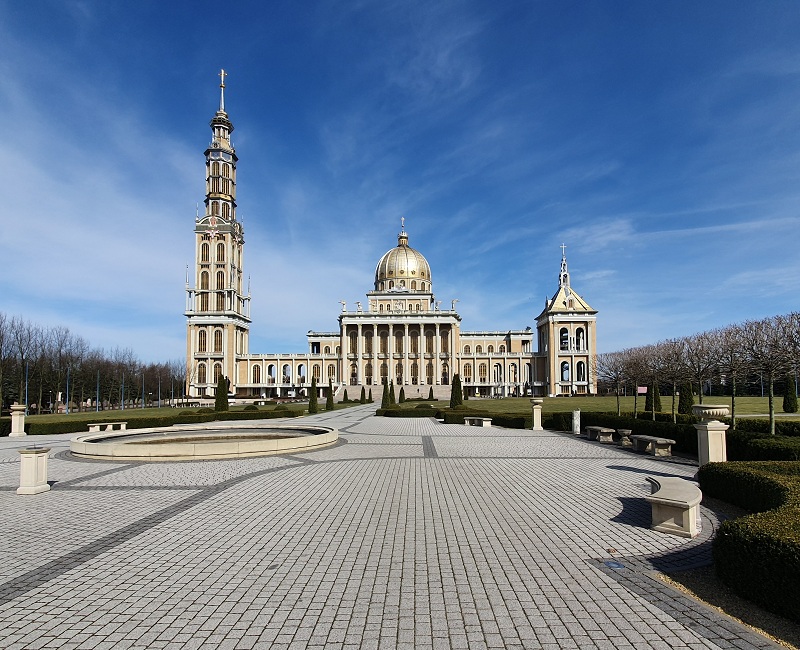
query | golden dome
(403,269)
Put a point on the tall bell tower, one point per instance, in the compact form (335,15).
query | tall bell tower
(217,309)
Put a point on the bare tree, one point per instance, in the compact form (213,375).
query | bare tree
(635,371)
(767,350)
(701,358)
(733,359)
(609,367)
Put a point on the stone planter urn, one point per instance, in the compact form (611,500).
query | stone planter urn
(536,406)
(711,444)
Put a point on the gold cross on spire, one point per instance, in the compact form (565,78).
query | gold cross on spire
(563,250)
(222,75)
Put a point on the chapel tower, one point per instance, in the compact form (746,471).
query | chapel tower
(567,329)
(217,309)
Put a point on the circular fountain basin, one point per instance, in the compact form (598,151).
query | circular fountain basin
(193,442)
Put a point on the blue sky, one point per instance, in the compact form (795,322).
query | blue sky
(659,141)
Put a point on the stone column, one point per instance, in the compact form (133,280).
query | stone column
(33,471)
(576,422)
(711,444)
(17,421)
(536,406)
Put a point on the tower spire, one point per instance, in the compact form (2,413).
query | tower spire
(563,277)
(222,75)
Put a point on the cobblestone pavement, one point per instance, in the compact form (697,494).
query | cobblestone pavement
(405,533)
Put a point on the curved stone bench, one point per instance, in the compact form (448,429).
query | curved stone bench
(675,503)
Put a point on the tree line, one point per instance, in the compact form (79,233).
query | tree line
(729,359)
(43,367)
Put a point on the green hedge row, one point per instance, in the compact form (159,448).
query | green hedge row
(81,425)
(761,425)
(418,412)
(758,556)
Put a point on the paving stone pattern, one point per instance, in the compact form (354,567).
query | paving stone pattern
(406,533)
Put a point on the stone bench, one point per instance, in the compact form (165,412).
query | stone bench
(652,445)
(601,434)
(675,503)
(108,426)
(478,422)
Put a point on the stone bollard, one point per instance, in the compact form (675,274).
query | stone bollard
(33,471)
(576,423)
(711,444)
(536,406)
(17,421)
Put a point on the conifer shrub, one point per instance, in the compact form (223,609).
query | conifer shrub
(250,407)
(686,399)
(790,396)
(329,398)
(221,399)
(402,397)
(456,395)
(392,399)
(430,394)
(313,405)
(385,398)
(363,399)
(344,397)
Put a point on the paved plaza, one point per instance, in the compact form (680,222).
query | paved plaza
(406,533)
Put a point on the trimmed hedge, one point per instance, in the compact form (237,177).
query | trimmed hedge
(81,425)
(418,412)
(761,425)
(758,556)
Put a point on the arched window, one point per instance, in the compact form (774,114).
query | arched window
(217,340)
(565,371)
(220,252)
(415,342)
(368,342)
(398,342)
(201,373)
(478,349)
(414,373)
(384,348)
(201,341)
(498,373)
(226,170)
(353,374)
(353,342)
(384,373)
(204,302)
(226,211)
(445,342)
(429,373)
(490,349)
(327,349)
(502,349)
(580,371)
(301,373)
(217,372)
(315,371)
(204,252)
(564,336)
(215,208)
(368,373)
(220,301)
(220,279)
(331,372)
(482,373)
(256,374)
(215,169)
(398,373)
(467,350)
(286,374)
(271,373)
(580,339)
(445,374)
(429,342)
(413,285)
(380,307)
(468,372)
(422,286)
(204,280)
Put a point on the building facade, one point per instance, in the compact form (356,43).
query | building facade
(399,334)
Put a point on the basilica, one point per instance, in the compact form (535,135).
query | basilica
(399,334)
